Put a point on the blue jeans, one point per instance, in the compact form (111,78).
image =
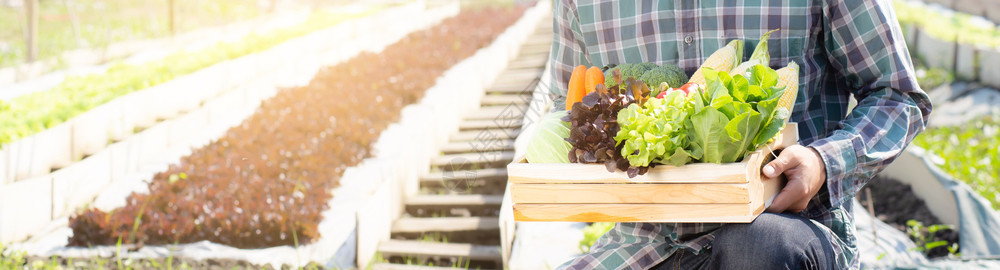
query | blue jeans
(772,241)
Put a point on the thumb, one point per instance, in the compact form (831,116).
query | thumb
(778,166)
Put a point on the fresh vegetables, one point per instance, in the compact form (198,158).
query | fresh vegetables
(594,77)
(649,73)
(669,74)
(788,77)
(726,58)
(656,132)
(627,70)
(686,88)
(759,56)
(735,115)
(577,87)
(268,181)
(594,123)
(548,145)
(726,111)
(969,153)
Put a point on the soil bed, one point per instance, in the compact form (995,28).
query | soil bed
(895,204)
(266,181)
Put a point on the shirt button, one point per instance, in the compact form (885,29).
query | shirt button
(688,39)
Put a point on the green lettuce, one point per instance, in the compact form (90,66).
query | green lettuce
(729,118)
(549,144)
(656,131)
(736,115)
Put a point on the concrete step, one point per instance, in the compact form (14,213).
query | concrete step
(454,205)
(454,162)
(454,200)
(523,84)
(393,266)
(445,224)
(486,137)
(537,50)
(468,147)
(538,39)
(498,112)
(489,124)
(504,100)
(533,62)
(516,88)
(519,75)
(492,174)
(431,249)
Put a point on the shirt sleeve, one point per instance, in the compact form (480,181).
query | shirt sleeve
(865,46)
(568,49)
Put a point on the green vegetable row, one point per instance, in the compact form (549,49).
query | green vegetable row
(35,112)
(957,27)
(970,154)
(969,151)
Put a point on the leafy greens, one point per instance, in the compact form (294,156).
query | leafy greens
(729,118)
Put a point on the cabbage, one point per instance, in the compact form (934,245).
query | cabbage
(549,144)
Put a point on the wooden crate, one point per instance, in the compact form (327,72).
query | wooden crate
(698,192)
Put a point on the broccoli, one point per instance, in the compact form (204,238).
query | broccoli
(671,74)
(627,70)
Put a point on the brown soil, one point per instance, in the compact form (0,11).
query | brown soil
(266,181)
(895,204)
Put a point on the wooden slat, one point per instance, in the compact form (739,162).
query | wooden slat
(426,249)
(562,176)
(445,224)
(567,173)
(630,193)
(724,213)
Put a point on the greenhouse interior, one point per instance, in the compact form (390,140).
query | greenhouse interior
(499,134)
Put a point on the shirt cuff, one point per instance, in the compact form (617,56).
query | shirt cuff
(840,160)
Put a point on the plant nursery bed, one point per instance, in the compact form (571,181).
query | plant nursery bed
(895,203)
(701,192)
(266,181)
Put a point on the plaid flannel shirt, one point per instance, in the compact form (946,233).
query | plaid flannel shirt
(844,48)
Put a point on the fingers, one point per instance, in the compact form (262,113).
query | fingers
(786,160)
(791,195)
(799,206)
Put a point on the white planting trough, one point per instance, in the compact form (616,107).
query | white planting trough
(166,121)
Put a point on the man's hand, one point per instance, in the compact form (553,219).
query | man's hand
(806,174)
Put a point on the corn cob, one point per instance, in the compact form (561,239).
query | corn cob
(724,58)
(788,77)
(760,56)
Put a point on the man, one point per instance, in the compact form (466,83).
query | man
(844,48)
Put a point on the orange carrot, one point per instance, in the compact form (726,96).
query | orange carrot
(594,77)
(576,87)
